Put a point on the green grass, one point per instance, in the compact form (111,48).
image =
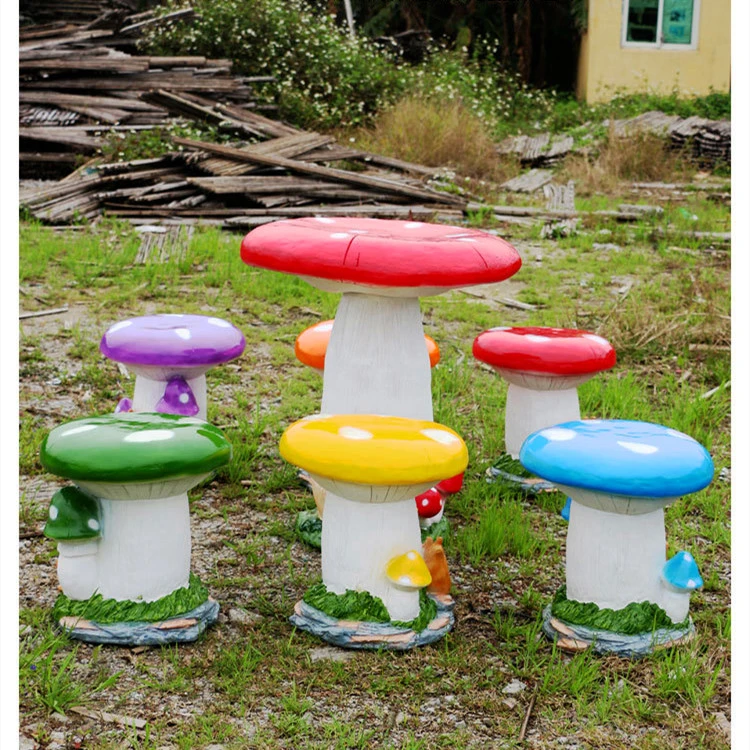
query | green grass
(255,683)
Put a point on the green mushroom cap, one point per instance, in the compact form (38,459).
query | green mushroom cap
(73,516)
(135,447)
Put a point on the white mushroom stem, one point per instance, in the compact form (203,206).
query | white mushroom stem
(675,602)
(144,551)
(359,539)
(536,401)
(376,360)
(376,363)
(77,569)
(150,383)
(614,558)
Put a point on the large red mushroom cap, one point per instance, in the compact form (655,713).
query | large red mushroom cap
(429,503)
(311,345)
(549,351)
(409,257)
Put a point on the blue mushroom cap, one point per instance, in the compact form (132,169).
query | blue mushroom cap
(619,457)
(681,571)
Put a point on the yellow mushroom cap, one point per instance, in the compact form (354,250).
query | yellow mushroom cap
(368,449)
(408,571)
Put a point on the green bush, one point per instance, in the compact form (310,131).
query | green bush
(324,77)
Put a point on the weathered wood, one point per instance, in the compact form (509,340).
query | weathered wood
(108,64)
(63,136)
(72,100)
(528,182)
(340,175)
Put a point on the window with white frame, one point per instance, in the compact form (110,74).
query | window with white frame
(660,23)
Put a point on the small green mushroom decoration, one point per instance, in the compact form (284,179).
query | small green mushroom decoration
(74,523)
(124,531)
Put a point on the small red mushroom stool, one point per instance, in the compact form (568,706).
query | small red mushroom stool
(543,368)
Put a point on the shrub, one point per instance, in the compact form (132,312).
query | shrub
(324,77)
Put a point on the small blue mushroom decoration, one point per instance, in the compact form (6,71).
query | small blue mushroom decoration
(619,474)
(680,576)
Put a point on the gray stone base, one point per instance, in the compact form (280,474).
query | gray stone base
(181,629)
(373,635)
(529,485)
(575,638)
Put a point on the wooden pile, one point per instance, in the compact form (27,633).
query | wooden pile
(77,84)
(543,150)
(285,174)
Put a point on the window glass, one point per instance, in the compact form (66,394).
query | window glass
(677,26)
(643,16)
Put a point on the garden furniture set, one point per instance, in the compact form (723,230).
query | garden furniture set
(379,466)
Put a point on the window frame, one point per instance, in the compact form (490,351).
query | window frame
(659,43)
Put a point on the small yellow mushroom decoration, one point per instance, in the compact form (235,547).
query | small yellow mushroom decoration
(408,571)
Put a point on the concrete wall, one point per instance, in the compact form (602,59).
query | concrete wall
(606,67)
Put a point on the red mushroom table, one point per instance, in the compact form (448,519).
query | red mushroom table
(376,359)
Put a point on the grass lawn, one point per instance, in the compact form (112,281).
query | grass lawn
(252,681)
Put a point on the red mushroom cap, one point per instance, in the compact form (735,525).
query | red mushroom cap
(311,346)
(429,503)
(552,351)
(381,252)
(451,485)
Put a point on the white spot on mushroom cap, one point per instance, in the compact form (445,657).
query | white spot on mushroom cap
(404,580)
(354,433)
(642,448)
(425,503)
(174,315)
(93,524)
(53,512)
(558,434)
(594,337)
(413,224)
(76,430)
(411,555)
(219,322)
(325,220)
(183,333)
(440,436)
(535,337)
(466,239)
(325,326)
(500,328)
(692,583)
(340,235)
(149,437)
(184,398)
(120,326)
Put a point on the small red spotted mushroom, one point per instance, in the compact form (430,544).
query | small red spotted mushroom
(430,506)
(543,367)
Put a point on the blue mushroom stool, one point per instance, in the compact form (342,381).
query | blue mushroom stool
(621,593)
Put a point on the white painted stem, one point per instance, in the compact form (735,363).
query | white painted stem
(144,551)
(148,392)
(376,363)
(674,602)
(613,559)
(527,411)
(359,539)
(77,568)
(376,360)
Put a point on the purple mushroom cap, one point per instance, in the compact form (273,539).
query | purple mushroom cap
(172,340)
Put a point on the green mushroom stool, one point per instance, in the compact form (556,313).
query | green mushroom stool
(123,530)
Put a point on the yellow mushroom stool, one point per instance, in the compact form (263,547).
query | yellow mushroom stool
(372,468)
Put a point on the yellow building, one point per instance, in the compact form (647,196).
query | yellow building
(654,45)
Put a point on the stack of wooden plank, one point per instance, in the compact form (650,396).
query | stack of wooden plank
(288,174)
(543,150)
(77,83)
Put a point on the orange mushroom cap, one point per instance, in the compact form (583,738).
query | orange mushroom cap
(310,346)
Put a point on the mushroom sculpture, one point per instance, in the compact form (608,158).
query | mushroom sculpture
(310,349)
(170,355)
(376,361)
(123,531)
(372,468)
(621,593)
(543,367)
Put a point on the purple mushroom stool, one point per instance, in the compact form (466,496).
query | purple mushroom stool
(170,355)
